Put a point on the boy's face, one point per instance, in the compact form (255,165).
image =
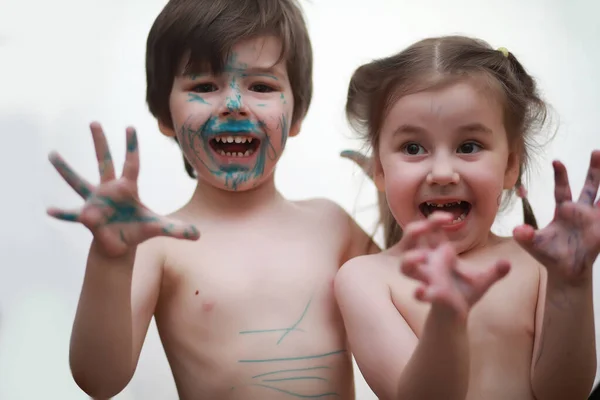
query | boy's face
(233,127)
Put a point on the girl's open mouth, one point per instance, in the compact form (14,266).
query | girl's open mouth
(459,209)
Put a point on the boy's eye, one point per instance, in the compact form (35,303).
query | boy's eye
(413,149)
(261,88)
(204,88)
(469,147)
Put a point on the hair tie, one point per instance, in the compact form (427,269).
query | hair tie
(504,51)
(521,191)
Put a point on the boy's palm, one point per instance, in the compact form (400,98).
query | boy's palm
(112,210)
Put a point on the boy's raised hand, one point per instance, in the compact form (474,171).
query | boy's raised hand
(112,210)
(429,257)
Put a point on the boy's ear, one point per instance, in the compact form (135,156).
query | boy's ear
(165,129)
(295,129)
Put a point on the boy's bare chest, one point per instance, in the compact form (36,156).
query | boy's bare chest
(245,308)
(262,275)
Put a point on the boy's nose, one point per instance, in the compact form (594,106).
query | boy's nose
(233,105)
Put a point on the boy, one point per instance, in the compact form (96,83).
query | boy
(247,311)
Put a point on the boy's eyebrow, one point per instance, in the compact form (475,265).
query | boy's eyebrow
(265,72)
(261,72)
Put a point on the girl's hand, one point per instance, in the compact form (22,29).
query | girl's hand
(429,257)
(570,244)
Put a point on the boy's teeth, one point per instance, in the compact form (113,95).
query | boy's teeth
(236,154)
(232,139)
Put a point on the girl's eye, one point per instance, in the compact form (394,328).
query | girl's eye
(413,149)
(261,88)
(469,148)
(204,88)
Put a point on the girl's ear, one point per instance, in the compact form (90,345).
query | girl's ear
(513,170)
(378,175)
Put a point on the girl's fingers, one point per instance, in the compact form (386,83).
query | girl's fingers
(562,190)
(592,181)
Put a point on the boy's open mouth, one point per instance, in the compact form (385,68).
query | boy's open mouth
(235,145)
(459,209)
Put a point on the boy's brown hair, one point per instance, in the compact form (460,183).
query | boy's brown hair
(202,32)
(429,63)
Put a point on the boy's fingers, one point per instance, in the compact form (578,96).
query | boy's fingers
(131,167)
(180,231)
(80,185)
(64,215)
(105,163)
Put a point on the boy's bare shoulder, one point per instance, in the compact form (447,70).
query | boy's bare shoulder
(323,207)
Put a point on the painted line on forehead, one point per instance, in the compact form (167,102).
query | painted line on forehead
(259,75)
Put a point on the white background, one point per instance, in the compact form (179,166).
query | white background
(64,63)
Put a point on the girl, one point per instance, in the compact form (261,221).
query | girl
(450,122)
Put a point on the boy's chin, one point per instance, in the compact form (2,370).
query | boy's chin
(234,181)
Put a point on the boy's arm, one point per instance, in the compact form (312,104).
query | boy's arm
(115,308)
(393,361)
(564,356)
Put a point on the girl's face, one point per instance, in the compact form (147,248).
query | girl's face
(447,149)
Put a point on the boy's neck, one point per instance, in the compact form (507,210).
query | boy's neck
(209,198)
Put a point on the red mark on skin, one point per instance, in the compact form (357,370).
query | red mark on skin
(208,306)
(197,293)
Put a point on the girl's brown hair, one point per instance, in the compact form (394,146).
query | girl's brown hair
(432,62)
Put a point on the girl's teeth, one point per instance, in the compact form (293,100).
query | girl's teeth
(460,218)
